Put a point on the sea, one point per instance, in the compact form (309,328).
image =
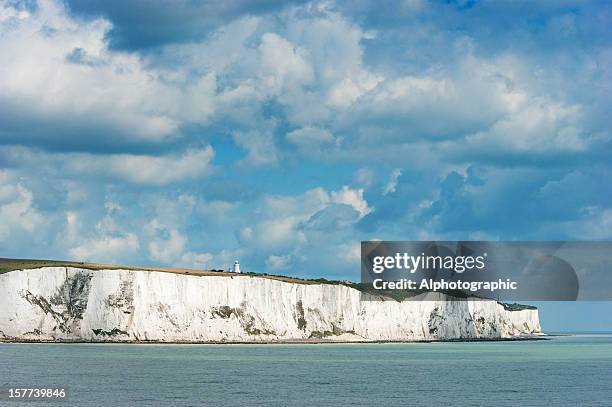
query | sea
(566,370)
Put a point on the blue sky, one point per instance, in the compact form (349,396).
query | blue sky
(284,133)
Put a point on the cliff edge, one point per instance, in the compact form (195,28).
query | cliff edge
(116,305)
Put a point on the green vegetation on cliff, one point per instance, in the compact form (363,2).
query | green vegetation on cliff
(7,265)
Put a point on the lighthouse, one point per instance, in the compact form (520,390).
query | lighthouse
(236,267)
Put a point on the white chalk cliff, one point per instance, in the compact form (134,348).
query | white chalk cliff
(72,304)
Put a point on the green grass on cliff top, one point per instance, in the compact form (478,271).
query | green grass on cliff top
(7,265)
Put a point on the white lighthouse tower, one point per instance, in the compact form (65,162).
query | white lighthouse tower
(236,267)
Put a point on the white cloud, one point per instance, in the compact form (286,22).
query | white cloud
(392,183)
(481,102)
(365,176)
(311,138)
(352,88)
(165,236)
(109,241)
(17,211)
(277,226)
(292,223)
(202,261)
(282,232)
(301,206)
(129,97)
(245,234)
(331,41)
(260,146)
(106,249)
(308,59)
(352,197)
(216,211)
(538,125)
(428,105)
(169,246)
(7,12)
(53,66)
(72,226)
(596,224)
(276,263)
(277,233)
(350,253)
(151,170)
(167,249)
(283,64)
(137,169)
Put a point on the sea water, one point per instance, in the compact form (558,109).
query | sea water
(565,370)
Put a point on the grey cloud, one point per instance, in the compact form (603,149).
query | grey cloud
(140,24)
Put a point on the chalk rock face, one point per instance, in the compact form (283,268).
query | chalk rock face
(71,304)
